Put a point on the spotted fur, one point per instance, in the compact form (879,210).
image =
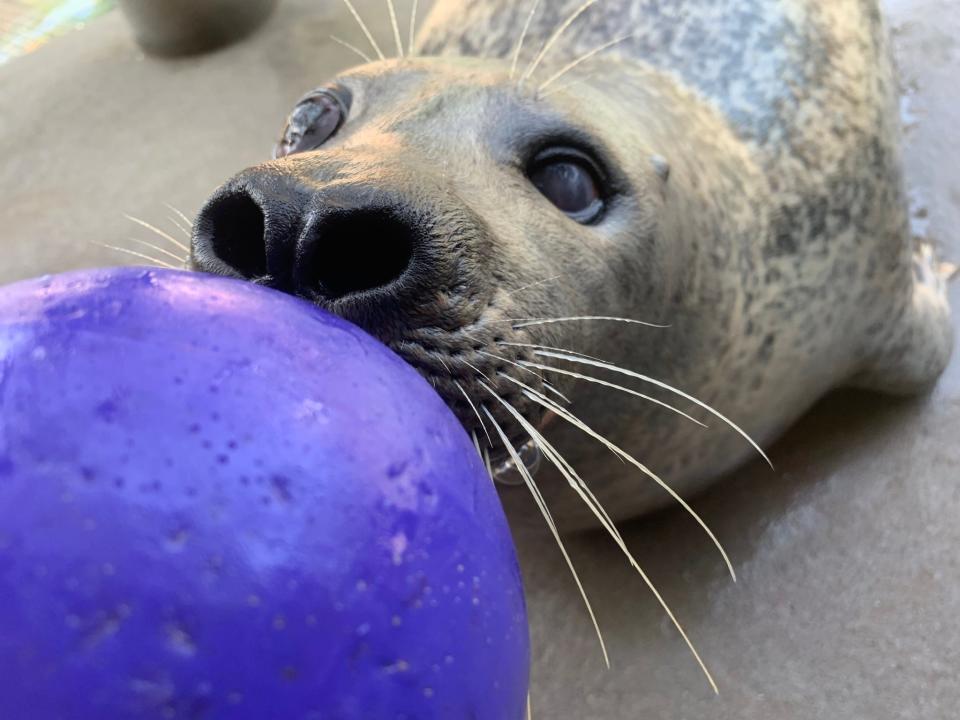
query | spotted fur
(762,217)
(778,120)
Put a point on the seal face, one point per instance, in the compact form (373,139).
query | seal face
(705,195)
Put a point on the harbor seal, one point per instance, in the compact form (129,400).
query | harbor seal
(658,228)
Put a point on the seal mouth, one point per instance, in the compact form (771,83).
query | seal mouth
(483,379)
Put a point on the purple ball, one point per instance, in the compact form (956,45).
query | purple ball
(217,501)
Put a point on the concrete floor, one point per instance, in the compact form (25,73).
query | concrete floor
(849,587)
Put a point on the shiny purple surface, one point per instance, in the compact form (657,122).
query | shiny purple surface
(217,501)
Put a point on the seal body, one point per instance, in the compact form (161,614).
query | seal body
(756,211)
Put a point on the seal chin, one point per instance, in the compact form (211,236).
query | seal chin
(471,376)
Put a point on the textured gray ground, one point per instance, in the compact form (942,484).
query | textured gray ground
(849,587)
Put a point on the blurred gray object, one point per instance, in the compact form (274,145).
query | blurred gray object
(185,27)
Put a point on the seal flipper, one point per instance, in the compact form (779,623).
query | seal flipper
(908,356)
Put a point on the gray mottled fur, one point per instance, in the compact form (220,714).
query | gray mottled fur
(776,247)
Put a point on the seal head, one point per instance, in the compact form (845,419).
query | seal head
(442,206)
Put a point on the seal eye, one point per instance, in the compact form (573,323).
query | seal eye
(570,180)
(313,121)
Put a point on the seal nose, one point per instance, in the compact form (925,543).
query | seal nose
(347,251)
(229,237)
(324,248)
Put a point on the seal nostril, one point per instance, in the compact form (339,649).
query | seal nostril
(351,251)
(231,230)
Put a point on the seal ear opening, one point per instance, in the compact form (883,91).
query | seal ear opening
(908,356)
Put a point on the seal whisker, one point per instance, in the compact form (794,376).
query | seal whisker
(486,461)
(570,475)
(598,381)
(158,231)
(523,37)
(474,408)
(549,386)
(134,253)
(659,383)
(583,58)
(476,443)
(352,48)
(593,503)
(178,226)
(162,251)
(525,369)
(546,383)
(396,27)
(545,402)
(556,36)
(614,386)
(413,28)
(179,213)
(534,284)
(548,517)
(549,347)
(528,322)
(364,28)
(478,371)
